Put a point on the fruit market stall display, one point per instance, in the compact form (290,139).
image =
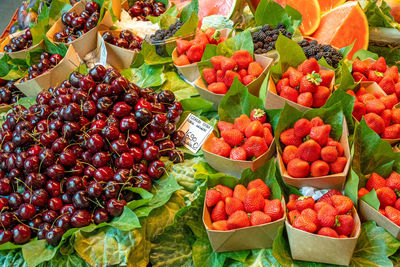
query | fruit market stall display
(119,157)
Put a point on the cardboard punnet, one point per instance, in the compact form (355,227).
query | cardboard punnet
(316,248)
(18,54)
(254,87)
(53,77)
(253,237)
(275,101)
(368,213)
(336,181)
(118,57)
(88,41)
(235,167)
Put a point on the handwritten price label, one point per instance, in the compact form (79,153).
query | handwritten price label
(196,132)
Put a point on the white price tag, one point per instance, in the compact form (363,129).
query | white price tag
(196,132)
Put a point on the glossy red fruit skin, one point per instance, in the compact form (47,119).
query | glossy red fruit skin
(21,234)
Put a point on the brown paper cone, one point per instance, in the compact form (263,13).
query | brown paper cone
(254,87)
(87,42)
(53,77)
(368,213)
(18,54)
(316,248)
(275,101)
(235,167)
(253,237)
(118,57)
(336,181)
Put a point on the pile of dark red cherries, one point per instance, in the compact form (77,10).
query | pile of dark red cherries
(46,63)
(141,9)
(19,43)
(126,39)
(67,161)
(9,93)
(77,25)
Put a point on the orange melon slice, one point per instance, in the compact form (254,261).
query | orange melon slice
(326,5)
(311,13)
(342,26)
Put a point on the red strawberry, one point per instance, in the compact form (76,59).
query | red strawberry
(392,72)
(220,225)
(360,66)
(232,205)
(302,127)
(309,83)
(326,215)
(220,147)
(225,191)
(260,185)
(201,39)
(311,214)
(238,220)
(389,101)
(327,77)
(212,197)
(342,204)
(397,204)
(308,66)
(336,144)
(362,192)
(364,98)
(233,137)
(305,99)
(242,73)
(320,96)
(291,205)
(253,200)
(288,137)
(255,69)
(320,134)
(375,76)
(344,225)
(248,79)
(240,192)
(216,61)
(375,182)
(230,77)
(386,196)
(375,122)
(319,168)
(255,146)
(382,211)
(281,83)
(361,91)
(255,128)
(393,215)
(304,202)
(182,46)
(298,168)
(182,60)
(268,126)
(195,53)
(289,93)
(289,153)
(375,106)
(359,77)
(359,110)
(258,115)
(218,88)
(391,132)
(294,76)
(396,115)
(327,196)
(220,76)
(238,153)
(387,84)
(393,181)
(223,126)
(243,58)
(305,224)
(317,121)
(351,92)
(242,122)
(293,214)
(329,153)
(327,231)
(379,65)
(268,137)
(209,75)
(339,165)
(397,89)
(273,208)
(218,213)
(227,64)
(309,151)
(259,217)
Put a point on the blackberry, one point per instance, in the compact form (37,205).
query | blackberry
(265,38)
(164,34)
(317,51)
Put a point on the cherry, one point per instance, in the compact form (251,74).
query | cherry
(110,132)
(165,146)
(104,174)
(89,109)
(119,84)
(40,198)
(125,161)
(6,219)
(35,180)
(26,196)
(3,202)
(156,169)
(55,59)
(92,7)
(103,90)
(122,109)
(104,104)
(95,143)
(142,103)
(47,157)
(5,186)
(122,43)
(56,125)
(15,200)
(72,112)
(111,75)
(156,135)
(128,124)
(26,211)
(177,106)
(63,222)
(87,83)
(143,116)
(100,216)
(31,164)
(134,139)
(119,146)
(98,72)
(70,129)
(49,216)
(100,159)
(55,172)
(54,235)
(67,158)
(115,207)
(21,234)
(108,37)
(5,236)
(122,175)
(42,126)
(80,218)
(74,184)
(173,116)
(55,203)
(139,168)
(43,229)
(74,79)
(97,126)
(143,181)
(131,97)
(111,190)
(89,171)
(176,156)
(178,138)
(67,209)
(80,200)
(151,153)
(87,157)
(66,198)
(53,188)
(170,128)
(94,190)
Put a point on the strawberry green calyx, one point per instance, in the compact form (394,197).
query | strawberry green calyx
(216,36)
(258,113)
(314,78)
(337,222)
(379,74)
